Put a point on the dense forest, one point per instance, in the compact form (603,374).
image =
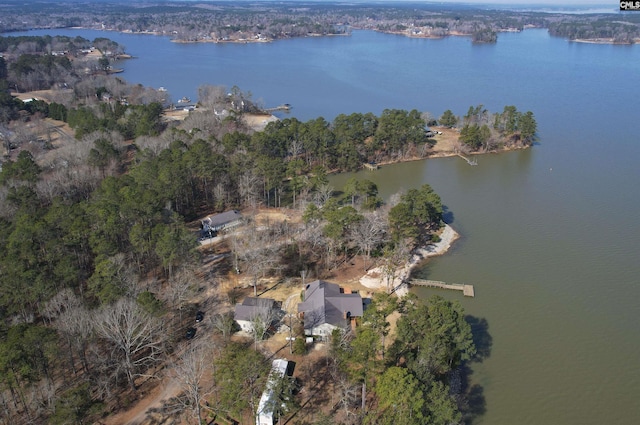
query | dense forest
(264,21)
(101,270)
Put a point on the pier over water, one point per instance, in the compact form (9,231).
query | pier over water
(467,290)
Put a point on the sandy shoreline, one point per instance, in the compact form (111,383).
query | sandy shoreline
(258,122)
(375,278)
(604,41)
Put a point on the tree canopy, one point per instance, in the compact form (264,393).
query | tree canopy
(418,209)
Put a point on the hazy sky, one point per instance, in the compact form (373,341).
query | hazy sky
(560,3)
(609,3)
(606,4)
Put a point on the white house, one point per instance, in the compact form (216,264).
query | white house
(253,309)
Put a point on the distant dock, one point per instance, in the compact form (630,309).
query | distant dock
(370,166)
(467,290)
(283,107)
(469,161)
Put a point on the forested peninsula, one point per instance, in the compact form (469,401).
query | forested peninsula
(118,301)
(267,21)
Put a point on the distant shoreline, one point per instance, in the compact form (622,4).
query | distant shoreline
(269,40)
(251,40)
(603,41)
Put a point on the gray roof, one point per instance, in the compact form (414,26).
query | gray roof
(325,303)
(220,220)
(252,307)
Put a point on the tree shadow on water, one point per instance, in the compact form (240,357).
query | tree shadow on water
(474,405)
(447,215)
(481,337)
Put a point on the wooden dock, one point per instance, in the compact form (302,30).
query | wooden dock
(283,107)
(469,161)
(467,290)
(370,166)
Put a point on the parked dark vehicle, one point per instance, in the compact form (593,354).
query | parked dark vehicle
(191,332)
(199,316)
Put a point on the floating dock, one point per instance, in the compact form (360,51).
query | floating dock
(467,290)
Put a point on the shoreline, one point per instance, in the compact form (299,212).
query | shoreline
(424,36)
(446,154)
(605,40)
(450,154)
(376,280)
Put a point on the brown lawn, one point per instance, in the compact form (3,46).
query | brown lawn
(446,143)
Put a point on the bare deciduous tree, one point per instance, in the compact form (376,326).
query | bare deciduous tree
(190,371)
(60,302)
(323,194)
(68,174)
(427,117)
(136,338)
(71,319)
(262,319)
(152,144)
(75,324)
(212,97)
(249,188)
(348,394)
(258,252)
(313,236)
(181,287)
(22,134)
(205,121)
(224,323)
(368,233)
(295,149)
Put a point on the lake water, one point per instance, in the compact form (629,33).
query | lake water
(549,235)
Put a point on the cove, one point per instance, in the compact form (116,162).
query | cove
(549,235)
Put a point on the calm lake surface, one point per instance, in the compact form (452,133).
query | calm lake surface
(549,235)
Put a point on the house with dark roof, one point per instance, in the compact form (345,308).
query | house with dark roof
(327,306)
(214,223)
(255,309)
